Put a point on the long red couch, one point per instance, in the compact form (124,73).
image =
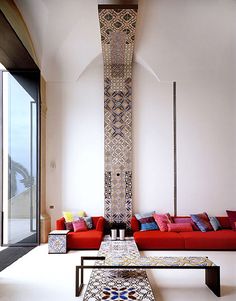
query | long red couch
(85,240)
(224,239)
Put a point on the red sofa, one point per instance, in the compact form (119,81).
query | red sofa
(224,239)
(85,240)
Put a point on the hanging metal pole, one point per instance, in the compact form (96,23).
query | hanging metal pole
(175,148)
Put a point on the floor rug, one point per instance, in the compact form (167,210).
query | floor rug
(11,254)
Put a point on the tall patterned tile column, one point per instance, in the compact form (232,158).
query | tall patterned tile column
(117,35)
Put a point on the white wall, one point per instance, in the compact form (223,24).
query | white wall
(153,143)
(75,144)
(206,146)
(191,42)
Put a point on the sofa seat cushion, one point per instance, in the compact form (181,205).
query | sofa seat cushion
(212,240)
(90,239)
(158,240)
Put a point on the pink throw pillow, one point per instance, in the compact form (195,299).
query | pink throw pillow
(184,227)
(79,225)
(188,220)
(162,220)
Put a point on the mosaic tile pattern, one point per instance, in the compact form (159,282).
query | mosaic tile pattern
(118,284)
(117,35)
(57,244)
(159,261)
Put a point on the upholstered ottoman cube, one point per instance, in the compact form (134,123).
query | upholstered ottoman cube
(57,242)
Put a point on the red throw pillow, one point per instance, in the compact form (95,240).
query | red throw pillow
(162,220)
(184,227)
(232,218)
(79,225)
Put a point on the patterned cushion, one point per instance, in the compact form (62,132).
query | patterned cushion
(89,222)
(162,220)
(79,225)
(69,226)
(215,223)
(202,221)
(184,227)
(73,216)
(146,221)
(232,218)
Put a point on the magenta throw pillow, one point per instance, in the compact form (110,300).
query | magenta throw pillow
(184,227)
(79,225)
(232,218)
(184,220)
(162,221)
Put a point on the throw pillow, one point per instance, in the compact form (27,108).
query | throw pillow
(79,225)
(188,220)
(89,222)
(142,215)
(146,221)
(215,223)
(232,218)
(184,227)
(69,226)
(72,216)
(202,221)
(162,220)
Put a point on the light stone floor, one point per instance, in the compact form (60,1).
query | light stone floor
(40,276)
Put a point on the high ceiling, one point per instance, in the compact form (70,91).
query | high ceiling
(174,39)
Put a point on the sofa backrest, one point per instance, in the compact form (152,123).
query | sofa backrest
(95,220)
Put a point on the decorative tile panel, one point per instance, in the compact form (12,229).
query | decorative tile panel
(117,35)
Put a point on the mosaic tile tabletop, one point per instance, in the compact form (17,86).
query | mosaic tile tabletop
(118,284)
(158,261)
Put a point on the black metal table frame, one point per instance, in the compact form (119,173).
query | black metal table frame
(212,273)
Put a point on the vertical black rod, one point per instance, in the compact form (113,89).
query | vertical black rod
(38,138)
(31,167)
(1,156)
(175,148)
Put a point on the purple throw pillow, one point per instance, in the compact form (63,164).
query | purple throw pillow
(69,226)
(202,221)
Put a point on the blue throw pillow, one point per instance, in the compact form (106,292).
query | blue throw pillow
(89,222)
(147,222)
(202,221)
(215,223)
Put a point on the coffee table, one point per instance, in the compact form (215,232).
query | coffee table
(111,257)
(212,271)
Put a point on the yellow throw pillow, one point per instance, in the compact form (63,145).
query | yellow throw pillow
(72,216)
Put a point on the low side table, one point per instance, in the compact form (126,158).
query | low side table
(57,242)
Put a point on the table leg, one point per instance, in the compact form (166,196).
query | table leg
(78,281)
(212,279)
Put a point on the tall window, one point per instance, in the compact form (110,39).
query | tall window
(20,158)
